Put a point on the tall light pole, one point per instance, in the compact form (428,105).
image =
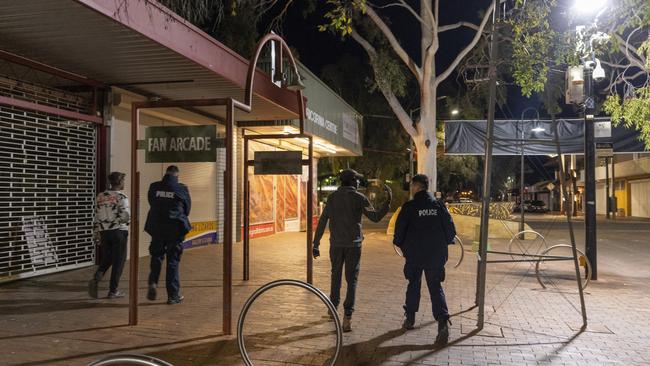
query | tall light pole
(591,65)
(522,183)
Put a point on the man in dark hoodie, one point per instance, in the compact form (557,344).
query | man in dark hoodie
(344,210)
(167,223)
(423,230)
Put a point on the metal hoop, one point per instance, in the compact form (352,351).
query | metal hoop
(462,251)
(460,242)
(130,359)
(582,255)
(524,232)
(301,284)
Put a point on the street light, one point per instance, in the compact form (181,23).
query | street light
(454,112)
(521,178)
(588,7)
(593,71)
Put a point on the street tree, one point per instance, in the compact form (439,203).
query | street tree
(374,26)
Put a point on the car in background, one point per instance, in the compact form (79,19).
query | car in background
(533,206)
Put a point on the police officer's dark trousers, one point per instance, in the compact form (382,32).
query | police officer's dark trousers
(113,254)
(173,249)
(350,257)
(434,277)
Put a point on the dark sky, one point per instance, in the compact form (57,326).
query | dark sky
(317,49)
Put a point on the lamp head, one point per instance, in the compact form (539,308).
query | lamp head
(599,72)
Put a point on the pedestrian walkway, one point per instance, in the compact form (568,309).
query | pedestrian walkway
(50,320)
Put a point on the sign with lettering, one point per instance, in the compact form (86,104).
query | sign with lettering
(278,162)
(181,144)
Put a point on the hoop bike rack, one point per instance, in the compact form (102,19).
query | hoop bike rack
(130,360)
(242,316)
(458,241)
(582,257)
(524,248)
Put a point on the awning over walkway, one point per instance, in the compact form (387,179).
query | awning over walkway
(467,137)
(136,45)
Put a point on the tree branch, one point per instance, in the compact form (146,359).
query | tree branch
(448,27)
(401,4)
(445,74)
(626,47)
(394,43)
(392,100)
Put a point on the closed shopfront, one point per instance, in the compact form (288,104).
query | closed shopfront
(640,198)
(47,190)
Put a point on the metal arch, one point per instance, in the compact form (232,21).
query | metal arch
(286,282)
(248,98)
(524,232)
(460,260)
(587,265)
(131,360)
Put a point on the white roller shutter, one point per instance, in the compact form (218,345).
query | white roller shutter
(601,199)
(640,195)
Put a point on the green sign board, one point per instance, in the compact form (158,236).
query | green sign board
(181,144)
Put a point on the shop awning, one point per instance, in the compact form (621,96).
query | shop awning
(136,45)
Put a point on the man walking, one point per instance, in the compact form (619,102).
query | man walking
(112,218)
(344,210)
(167,223)
(423,230)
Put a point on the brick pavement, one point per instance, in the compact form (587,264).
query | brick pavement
(49,320)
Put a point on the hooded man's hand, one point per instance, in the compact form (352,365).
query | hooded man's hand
(389,192)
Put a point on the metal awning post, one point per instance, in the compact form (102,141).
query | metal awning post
(487,172)
(310,213)
(134,250)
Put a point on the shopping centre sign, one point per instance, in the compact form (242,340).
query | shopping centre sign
(180,144)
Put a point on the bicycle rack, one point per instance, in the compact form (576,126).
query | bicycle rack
(456,238)
(301,284)
(519,234)
(582,257)
(130,360)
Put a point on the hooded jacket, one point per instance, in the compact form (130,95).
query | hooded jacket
(344,210)
(423,230)
(170,205)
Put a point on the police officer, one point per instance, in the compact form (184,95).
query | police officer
(344,210)
(423,230)
(167,223)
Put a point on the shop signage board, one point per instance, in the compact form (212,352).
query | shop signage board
(278,162)
(604,150)
(602,129)
(182,144)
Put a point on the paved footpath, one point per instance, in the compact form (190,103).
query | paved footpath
(50,321)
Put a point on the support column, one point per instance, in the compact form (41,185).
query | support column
(487,171)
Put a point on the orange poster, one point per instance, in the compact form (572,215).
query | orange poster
(291,197)
(261,199)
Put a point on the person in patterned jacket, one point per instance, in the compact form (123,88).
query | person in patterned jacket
(112,219)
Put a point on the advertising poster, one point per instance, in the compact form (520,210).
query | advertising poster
(279,204)
(202,233)
(291,197)
(261,199)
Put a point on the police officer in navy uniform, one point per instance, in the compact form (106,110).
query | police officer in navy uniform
(423,230)
(167,223)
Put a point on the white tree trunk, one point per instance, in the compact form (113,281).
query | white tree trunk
(426,152)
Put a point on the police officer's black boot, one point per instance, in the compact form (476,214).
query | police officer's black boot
(443,331)
(409,322)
